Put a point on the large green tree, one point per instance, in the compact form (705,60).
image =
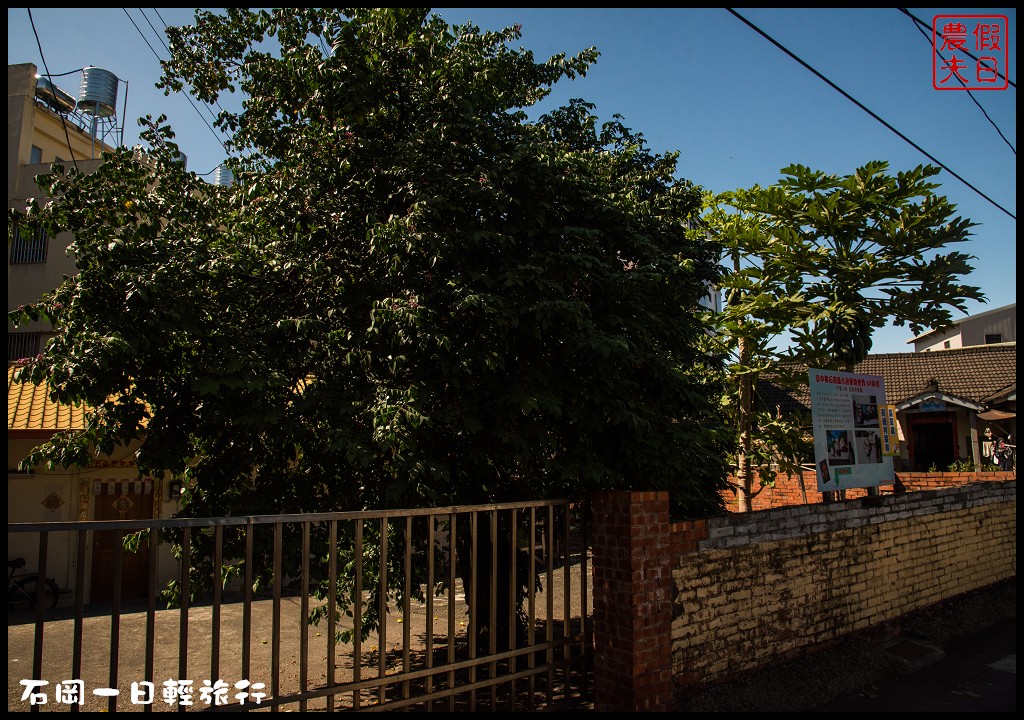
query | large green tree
(815,264)
(413,295)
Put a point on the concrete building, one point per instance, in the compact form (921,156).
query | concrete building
(46,124)
(998,325)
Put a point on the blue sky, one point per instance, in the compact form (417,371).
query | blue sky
(697,81)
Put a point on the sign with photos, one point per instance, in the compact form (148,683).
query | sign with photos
(855,436)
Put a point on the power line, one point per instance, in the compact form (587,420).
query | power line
(169,49)
(200,114)
(49,79)
(69,72)
(922,23)
(157,33)
(856,102)
(961,81)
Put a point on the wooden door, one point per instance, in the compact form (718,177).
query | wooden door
(120,500)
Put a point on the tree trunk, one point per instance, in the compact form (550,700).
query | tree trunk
(484,593)
(743,474)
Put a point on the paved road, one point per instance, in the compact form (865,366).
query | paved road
(972,673)
(131,661)
(957,656)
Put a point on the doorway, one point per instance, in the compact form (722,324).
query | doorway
(933,442)
(120,500)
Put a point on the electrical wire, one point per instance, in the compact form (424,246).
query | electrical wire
(49,77)
(961,81)
(198,112)
(856,102)
(157,33)
(69,72)
(219,106)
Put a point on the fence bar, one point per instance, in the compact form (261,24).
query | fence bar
(513,588)
(304,618)
(357,616)
(428,683)
(382,625)
(186,590)
(275,639)
(471,594)
(218,560)
(79,632)
(407,607)
(332,604)
(585,635)
(492,629)
(549,621)
(40,608)
(532,595)
(451,607)
(115,621)
(566,602)
(250,531)
(150,673)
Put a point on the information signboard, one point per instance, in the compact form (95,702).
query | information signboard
(854,430)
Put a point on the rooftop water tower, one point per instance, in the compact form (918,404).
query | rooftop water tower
(223,176)
(97,97)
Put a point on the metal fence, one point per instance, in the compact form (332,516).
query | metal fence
(461,608)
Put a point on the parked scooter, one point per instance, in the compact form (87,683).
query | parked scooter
(1003,452)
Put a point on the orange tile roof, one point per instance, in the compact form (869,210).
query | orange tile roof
(29,407)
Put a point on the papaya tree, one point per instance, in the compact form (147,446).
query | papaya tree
(817,262)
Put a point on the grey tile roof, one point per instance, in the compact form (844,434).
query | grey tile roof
(980,373)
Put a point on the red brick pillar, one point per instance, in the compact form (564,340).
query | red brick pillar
(632,602)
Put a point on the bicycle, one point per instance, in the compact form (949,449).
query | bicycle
(22,587)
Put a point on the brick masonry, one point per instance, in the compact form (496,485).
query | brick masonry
(755,588)
(788,491)
(632,567)
(694,603)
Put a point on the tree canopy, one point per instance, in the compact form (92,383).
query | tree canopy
(413,295)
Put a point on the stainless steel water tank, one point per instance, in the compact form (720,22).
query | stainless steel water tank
(222,176)
(98,92)
(54,96)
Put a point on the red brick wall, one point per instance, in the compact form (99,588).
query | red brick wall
(686,536)
(632,573)
(787,491)
(911,482)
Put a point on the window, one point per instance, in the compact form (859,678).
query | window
(36,156)
(997,338)
(22,345)
(29,245)
(946,345)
